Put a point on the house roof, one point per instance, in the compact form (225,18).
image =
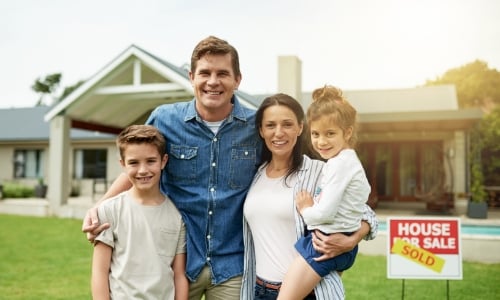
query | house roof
(126,90)
(27,125)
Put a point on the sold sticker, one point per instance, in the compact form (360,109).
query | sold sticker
(418,255)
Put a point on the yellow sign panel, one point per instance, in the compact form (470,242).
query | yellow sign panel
(418,255)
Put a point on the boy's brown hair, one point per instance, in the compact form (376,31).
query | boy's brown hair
(141,134)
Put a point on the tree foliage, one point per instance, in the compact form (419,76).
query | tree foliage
(489,136)
(49,86)
(46,86)
(69,89)
(476,84)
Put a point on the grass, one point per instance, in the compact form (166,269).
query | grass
(43,258)
(49,258)
(367,279)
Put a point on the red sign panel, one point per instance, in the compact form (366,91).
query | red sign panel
(438,236)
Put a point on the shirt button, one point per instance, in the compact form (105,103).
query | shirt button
(212,189)
(210,212)
(208,236)
(182,156)
(208,258)
(213,164)
(246,152)
(215,139)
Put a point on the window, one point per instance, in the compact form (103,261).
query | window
(397,170)
(28,163)
(90,163)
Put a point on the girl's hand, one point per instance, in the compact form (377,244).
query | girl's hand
(303,200)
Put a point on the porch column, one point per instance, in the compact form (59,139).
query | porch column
(59,143)
(459,161)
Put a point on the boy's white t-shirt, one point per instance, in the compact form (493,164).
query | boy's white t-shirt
(145,240)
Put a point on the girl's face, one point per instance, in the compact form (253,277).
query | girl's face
(327,138)
(280,130)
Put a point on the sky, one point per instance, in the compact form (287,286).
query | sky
(352,44)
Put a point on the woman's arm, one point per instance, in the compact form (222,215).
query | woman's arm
(91,225)
(338,243)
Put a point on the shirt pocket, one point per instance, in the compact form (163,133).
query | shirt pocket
(243,166)
(167,244)
(181,165)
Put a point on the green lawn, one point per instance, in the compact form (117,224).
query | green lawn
(49,258)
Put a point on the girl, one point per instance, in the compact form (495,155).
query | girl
(341,197)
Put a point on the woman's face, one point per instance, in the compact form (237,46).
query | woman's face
(280,130)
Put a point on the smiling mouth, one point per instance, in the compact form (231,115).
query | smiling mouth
(279,143)
(144,179)
(213,93)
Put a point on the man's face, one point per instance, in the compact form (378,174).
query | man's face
(214,83)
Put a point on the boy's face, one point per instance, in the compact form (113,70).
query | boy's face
(214,83)
(143,164)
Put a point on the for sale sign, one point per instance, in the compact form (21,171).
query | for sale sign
(424,248)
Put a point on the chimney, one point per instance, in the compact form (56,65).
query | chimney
(290,76)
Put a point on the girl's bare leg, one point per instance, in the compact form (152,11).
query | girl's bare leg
(299,281)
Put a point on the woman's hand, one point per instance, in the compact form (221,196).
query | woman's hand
(337,243)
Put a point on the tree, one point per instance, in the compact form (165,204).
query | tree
(46,86)
(489,134)
(69,89)
(476,84)
(49,85)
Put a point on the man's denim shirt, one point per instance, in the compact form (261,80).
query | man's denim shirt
(207,177)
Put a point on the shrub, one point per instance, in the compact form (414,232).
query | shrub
(16,190)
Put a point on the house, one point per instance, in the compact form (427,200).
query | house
(24,150)
(413,142)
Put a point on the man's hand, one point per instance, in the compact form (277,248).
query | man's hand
(91,224)
(333,244)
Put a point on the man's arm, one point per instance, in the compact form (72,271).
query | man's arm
(91,224)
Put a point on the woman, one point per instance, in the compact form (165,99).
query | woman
(271,222)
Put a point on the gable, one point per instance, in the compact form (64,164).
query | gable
(125,92)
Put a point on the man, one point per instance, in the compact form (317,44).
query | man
(213,151)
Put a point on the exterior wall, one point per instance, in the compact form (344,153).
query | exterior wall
(7,164)
(84,185)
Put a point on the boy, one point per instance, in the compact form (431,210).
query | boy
(143,253)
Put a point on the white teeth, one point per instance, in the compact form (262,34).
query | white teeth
(279,142)
(214,93)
